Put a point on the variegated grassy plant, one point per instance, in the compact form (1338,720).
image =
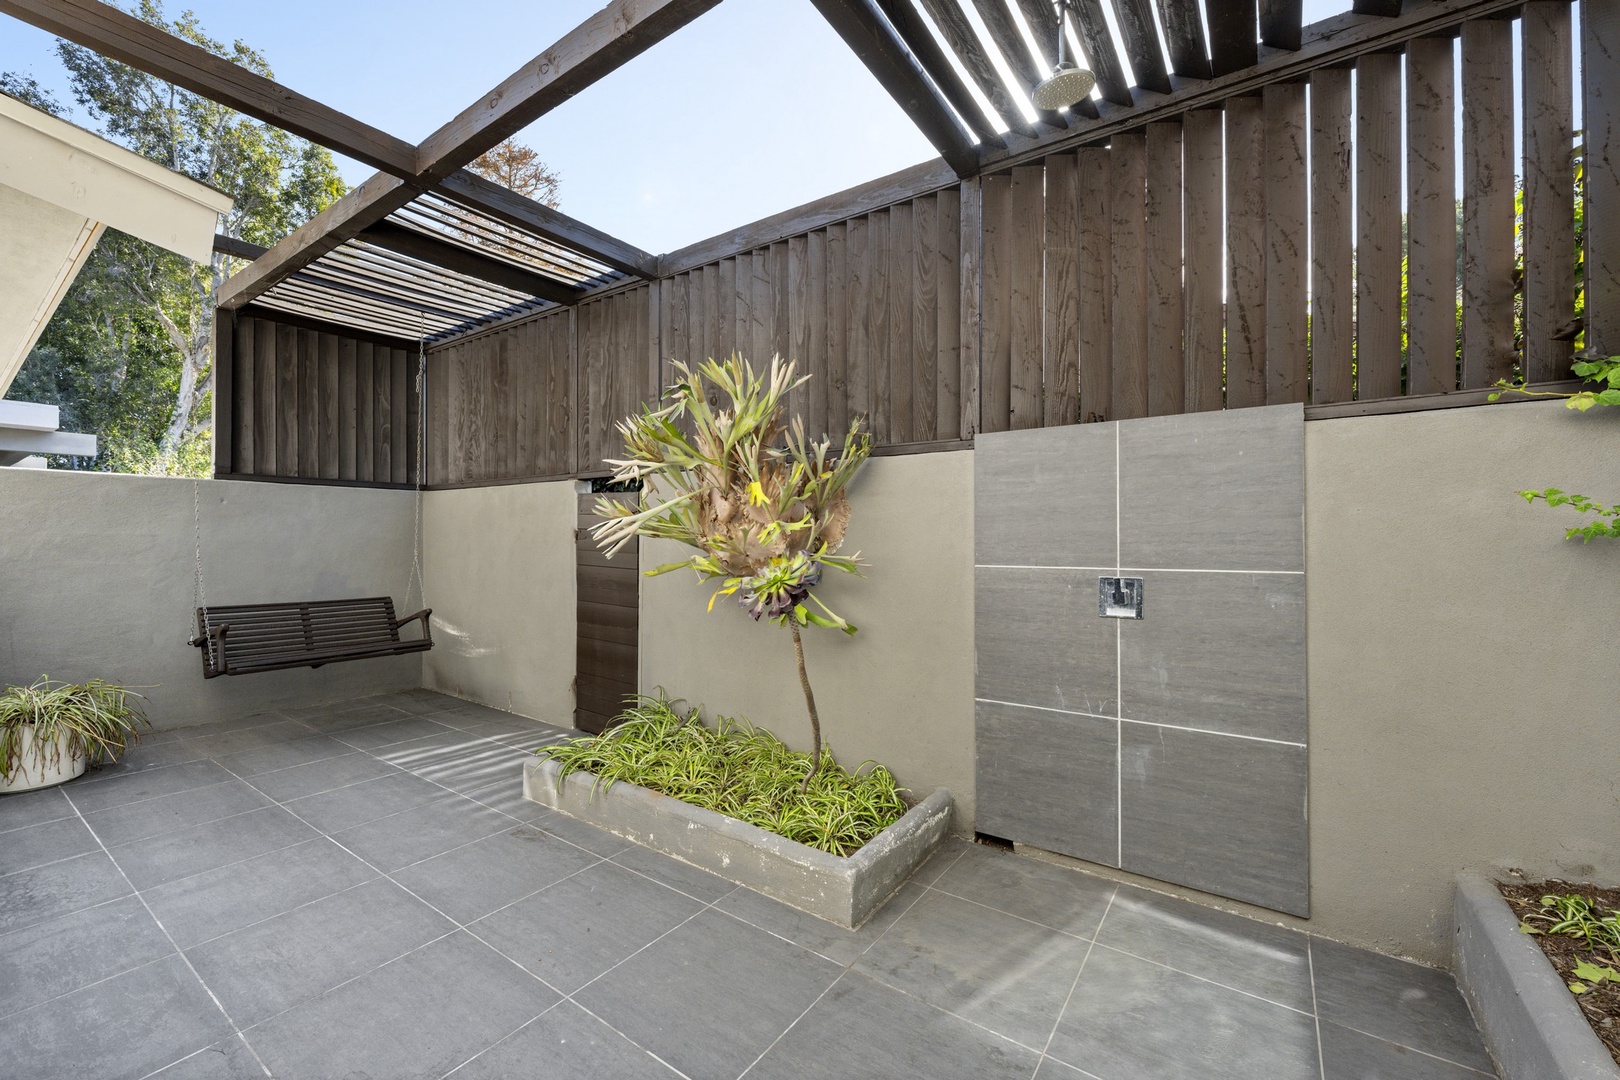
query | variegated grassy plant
(764,505)
(736,769)
(96,719)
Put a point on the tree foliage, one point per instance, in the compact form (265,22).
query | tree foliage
(129,352)
(519,168)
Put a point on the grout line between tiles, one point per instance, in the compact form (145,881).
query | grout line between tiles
(1057,1021)
(1141,723)
(1206,979)
(173,945)
(1316,1011)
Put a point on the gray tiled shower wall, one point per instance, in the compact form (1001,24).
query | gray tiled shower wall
(1173,746)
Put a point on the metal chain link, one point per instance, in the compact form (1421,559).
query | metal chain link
(196,524)
(421,446)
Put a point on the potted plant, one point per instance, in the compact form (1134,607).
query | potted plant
(765,510)
(51,732)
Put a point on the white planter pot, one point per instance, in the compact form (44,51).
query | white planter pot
(38,770)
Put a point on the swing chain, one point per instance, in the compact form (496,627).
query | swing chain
(196,524)
(421,446)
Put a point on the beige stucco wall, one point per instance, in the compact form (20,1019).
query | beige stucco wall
(1464,696)
(96,576)
(500,572)
(901,690)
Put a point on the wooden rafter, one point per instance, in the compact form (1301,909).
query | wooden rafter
(916,36)
(464,260)
(1142,44)
(1332,41)
(524,213)
(1043,21)
(601,44)
(958,33)
(1184,38)
(1008,42)
(868,33)
(116,34)
(1233,33)
(620,31)
(1092,26)
(1282,22)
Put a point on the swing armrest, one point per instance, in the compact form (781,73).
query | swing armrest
(427,627)
(218,633)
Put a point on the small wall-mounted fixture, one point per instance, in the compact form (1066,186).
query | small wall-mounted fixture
(1119,597)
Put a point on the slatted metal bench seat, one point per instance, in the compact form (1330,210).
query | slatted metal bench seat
(244,639)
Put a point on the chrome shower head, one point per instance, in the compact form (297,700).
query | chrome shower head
(1066,85)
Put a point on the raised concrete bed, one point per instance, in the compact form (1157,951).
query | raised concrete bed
(1529,1019)
(842,891)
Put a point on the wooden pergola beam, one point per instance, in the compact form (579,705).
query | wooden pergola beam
(869,35)
(959,34)
(503,204)
(620,31)
(1335,40)
(117,34)
(604,42)
(915,35)
(462,260)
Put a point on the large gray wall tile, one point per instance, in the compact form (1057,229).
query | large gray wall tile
(1045,497)
(1049,779)
(1219,651)
(1214,491)
(1040,642)
(1218,813)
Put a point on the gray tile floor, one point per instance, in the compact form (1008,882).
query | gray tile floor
(359,891)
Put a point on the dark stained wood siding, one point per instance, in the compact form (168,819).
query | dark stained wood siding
(608,603)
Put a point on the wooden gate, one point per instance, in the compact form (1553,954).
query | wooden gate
(609,592)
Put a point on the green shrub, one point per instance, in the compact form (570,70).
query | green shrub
(99,719)
(737,769)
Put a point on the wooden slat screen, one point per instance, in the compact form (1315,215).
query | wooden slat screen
(298,402)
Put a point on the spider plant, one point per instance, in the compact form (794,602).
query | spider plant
(95,719)
(764,506)
(736,769)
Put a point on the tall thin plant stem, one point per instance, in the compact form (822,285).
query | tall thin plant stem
(809,702)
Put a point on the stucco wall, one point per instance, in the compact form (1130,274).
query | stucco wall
(901,690)
(500,572)
(96,581)
(1463,691)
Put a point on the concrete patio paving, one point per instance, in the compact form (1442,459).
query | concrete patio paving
(358,890)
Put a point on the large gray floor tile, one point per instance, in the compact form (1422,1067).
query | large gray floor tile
(1266,961)
(1218,813)
(1049,779)
(417,1017)
(1350,1055)
(1225,652)
(347,715)
(228,1059)
(90,794)
(479,767)
(827,939)
(578,928)
(589,837)
(119,1029)
(252,737)
(149,753)
(154,817)
(273,965)
(506,795)
(475,879)
(204,906)
(49,842)
(50,891)
(992,968)
(1063,899)
(345,807)
(1395,1000)
(565,1043)
(33,808)
(327,774)
(683,877)
(422,832)
(60,956)
(403,729)
(204,847)
(863,1028)
(1040,641)
(283,755)
(1128,1018)
(1045,497)
(711,996)
(1214,490)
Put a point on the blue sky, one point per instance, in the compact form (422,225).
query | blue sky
(754,108)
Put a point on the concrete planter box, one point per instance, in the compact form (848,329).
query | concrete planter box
(842,891)
(1530,1021)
